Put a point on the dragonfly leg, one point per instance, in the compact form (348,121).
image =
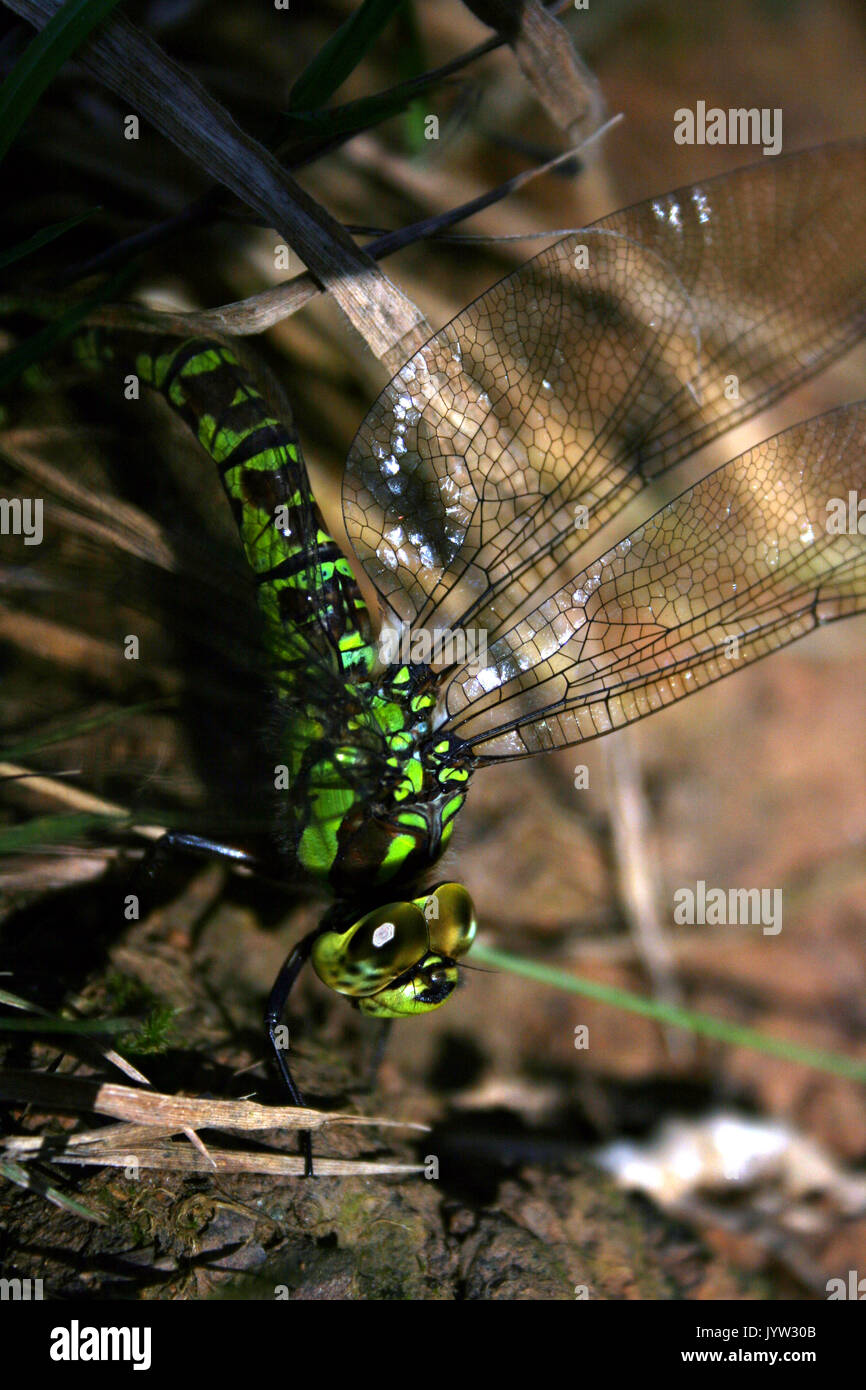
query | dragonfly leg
(385,1025)
(277,1000)
(174,841)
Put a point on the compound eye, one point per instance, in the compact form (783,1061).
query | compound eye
(451,921)
(374,952)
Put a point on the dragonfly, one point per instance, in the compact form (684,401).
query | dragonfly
(473,496)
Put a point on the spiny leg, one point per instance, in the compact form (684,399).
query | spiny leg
(158,852)
(277,1000)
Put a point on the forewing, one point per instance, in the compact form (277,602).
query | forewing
(591,370)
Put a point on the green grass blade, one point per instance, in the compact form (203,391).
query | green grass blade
(344,120)
(42,1021)
(674,1016)
(42,831)
(32,1181)
(43,59)
(15,1001)
(40,239)
(412,61)
(34,349)
(76,728)
(342,53)
(83,1027)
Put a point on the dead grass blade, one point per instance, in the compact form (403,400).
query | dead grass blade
(170,1113)
(548,60)
(179,1159)
(132,65)
(150,1120)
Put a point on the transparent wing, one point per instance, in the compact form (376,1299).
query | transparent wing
(757,554)
(591,370)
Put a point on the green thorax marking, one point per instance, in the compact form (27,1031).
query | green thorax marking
(378,804)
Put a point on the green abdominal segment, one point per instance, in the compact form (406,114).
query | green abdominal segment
(364,791)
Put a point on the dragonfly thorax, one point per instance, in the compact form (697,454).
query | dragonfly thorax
(377,805)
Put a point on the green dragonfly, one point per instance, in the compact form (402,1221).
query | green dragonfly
(472,496)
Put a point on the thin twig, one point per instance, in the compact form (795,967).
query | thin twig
(638,882)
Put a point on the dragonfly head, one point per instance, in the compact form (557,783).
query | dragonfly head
(400,959)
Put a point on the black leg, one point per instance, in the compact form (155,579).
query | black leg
(277,1000)
(155,857)
(160,851)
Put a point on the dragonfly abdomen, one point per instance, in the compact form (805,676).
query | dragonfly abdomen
(365,792)
(306,590)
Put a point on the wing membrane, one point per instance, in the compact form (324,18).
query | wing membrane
(584,375)
(742,563)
